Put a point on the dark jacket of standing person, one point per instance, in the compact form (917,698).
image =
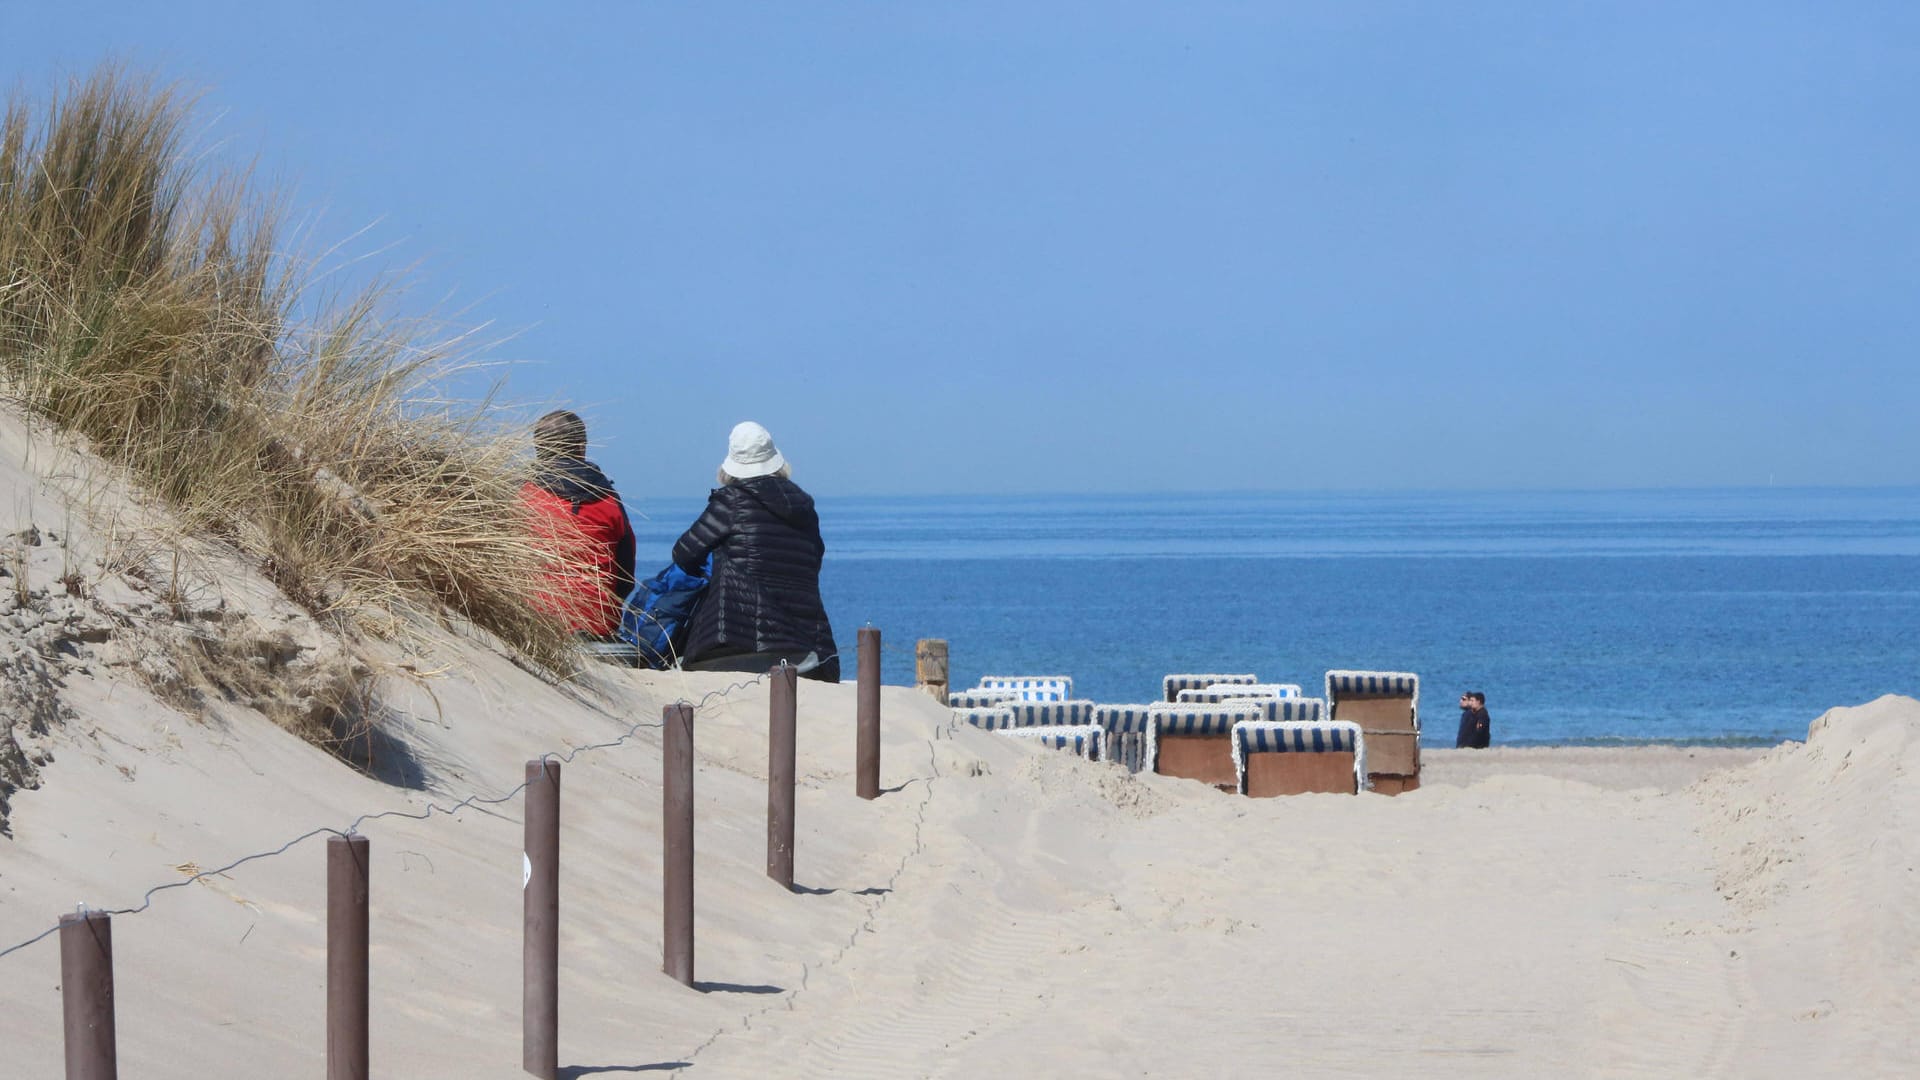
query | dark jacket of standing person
(1476,727)
(763,604)
(574,510)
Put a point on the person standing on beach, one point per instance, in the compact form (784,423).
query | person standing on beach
(575,512)
(1476,727)
(763,604)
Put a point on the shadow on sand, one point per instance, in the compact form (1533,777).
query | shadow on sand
(808,890)
(737,988)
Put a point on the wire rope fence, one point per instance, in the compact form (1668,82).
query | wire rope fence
(85,936)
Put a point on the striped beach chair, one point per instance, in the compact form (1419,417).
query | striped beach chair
(1196,741)
(1293,710)
(1373,684)
(1219,692)
(980,699)
(1031,687)
(1028,714)
(1270,708)
(1294,758)
(1386,706)
(1049,713)
(989,719)
(1083,740)
(1128,735)
(1173,684)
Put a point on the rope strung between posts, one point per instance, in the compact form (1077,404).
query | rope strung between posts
(564,757)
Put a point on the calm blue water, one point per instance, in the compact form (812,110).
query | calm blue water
(1718,616)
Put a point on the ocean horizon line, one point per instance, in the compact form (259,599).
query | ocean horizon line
(1331,492)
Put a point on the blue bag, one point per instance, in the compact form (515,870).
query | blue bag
(656,616)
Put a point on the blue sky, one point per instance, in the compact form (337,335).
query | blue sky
(1021,247)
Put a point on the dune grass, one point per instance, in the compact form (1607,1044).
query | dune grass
(147,303)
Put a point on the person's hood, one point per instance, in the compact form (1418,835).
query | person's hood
(574,479)
(780,495)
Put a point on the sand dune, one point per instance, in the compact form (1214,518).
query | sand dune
(1001,910)
(1004,910)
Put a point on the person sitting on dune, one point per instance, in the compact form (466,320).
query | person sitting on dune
(577,514)
(763,605)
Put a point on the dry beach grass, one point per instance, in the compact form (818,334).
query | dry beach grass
(149,307)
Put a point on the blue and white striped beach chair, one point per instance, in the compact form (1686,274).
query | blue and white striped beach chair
(989,719)
(1373,684)
(1028,714)
(1387,688)
(1205,735)
(1270,708)
(1295,737)
(1084,740)
(1173,684)
(1172,718)
(1128,729)
(1386,705)
(1293,710)
(1218,692)
(1049,713)
(980,699)
(1031,687)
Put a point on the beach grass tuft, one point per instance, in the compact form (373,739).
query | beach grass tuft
(147,304)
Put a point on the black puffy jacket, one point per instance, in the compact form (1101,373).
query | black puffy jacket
(765,593)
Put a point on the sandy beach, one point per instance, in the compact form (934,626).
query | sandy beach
(1002,909)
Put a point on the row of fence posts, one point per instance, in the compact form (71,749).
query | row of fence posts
(86,937)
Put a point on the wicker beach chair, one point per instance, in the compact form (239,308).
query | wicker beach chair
(1031,687)
(989,719)
(1083,740)
(1196,741)
(1386,706)
(1128,735)
(1297,757)
(1027,714)
(1173,684)
(981,699)
(1049,713)
(1218,692)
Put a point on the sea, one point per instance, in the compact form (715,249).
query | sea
(1698,616)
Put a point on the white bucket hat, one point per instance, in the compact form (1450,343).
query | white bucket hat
(751,453)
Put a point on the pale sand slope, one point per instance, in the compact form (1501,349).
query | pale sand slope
(1006,911)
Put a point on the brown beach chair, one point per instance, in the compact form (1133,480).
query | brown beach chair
(1298,757)
(1195,742)
(1385,706)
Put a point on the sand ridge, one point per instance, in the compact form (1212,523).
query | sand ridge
(1002,909)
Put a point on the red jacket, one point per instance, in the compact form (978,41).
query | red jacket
(574,509)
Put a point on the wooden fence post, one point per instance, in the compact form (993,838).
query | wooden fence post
(867,716)
(86,995)
(676,760)
(930,668)
(347,893)
(781,713)
(540,941)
